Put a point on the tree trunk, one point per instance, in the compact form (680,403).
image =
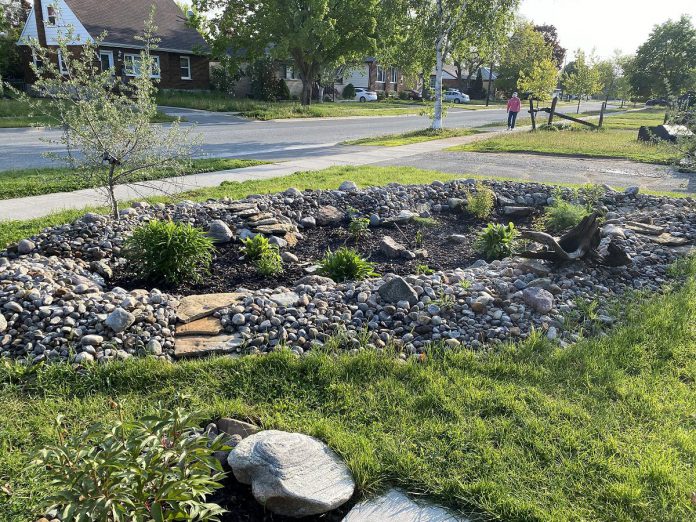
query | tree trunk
(579,242)
(578,110)
(306,98)
(113,202)
(437,112)
(460,79)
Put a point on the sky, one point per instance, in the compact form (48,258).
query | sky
(605,25)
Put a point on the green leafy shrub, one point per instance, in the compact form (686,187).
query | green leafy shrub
(349,92)
(269,263)
(160,468)
(424,270)
(283,90)
(168,252)
(497,241)
(345,265)
(255,247)
(481,202)
(563,215)
(359,228)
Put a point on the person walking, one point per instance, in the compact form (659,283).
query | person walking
(513,107)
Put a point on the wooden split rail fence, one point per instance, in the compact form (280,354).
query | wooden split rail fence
(551,111)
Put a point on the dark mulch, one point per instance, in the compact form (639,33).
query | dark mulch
(230,271)
(241,505)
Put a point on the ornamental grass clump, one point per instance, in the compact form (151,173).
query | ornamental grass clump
(563,215)
(345,265)
(160,468)
(497,241)
(168,252)
(481,202)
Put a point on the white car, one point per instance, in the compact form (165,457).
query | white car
(453,95)
(365,95)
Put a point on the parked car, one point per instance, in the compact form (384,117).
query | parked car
(365,95)
(454,95)
(657,101)
(414,95)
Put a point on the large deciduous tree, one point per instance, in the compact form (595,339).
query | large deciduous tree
(13,13)
(550,34)
(541,81)
(665,65)
(584,81)
(526,49)
(314,34)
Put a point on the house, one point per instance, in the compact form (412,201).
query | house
(180,58)
(450,79)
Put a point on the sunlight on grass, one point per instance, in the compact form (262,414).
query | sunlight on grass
(406,138)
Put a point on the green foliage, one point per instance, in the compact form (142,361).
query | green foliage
(540,81)
(225,75)
(283,90)
(255,247)
(269,263)
(160,468)
(497,241)
(525,49)
(585,79)
(264,84)
(168,252)
(345,265)
(349,92)
(424,222)
(424,270)
(419,238)
(359,228)
(563,215)
(481,202)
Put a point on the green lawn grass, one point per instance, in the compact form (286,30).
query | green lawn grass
(406,138)
(33,182)
(14,113)
(618,139)
(604,429)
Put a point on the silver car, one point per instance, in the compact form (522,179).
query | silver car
(454,95)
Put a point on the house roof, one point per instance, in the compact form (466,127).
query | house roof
(449,72)
(123,20)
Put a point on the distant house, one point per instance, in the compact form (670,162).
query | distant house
(451,81)
(180,57)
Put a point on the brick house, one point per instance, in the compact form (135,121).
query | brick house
(180,56)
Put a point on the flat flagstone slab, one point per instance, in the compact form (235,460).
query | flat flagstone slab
(667,239)
(195,346)
(205,326)
(644,228)
(278,228)
(194,307)
(395,506)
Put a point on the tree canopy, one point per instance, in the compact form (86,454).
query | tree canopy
(525,50)
(584,80)
(550,34)
(665,65)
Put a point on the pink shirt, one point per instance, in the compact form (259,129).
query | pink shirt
(514,105)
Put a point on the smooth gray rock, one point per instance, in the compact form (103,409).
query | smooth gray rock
(292,474)
(329,215)
(84,358)
(285,299)
(92,340)
(539,299)
(395,506)
(632,191)
(397,289)
(348,186)
(119,320)
(391,247)
(25,246)
(219,232)
(234,427)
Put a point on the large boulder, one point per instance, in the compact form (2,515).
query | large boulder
(329,216)
(663,133)
(539,299)
(397,289)
(292,474)
(219,232)
(395,506)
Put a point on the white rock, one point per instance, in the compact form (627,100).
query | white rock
(84,357)
(119,320)
(292,474)
(3,323)
(395,506)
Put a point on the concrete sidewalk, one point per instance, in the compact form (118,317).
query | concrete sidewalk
(38,206)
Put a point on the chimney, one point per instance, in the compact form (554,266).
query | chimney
(40,27)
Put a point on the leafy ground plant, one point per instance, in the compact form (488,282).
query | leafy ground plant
(497,241)
(168,252)
(255,247)
(359,228)
(269,263)
(481,202)
(346,265)
(160,468)
(563,215)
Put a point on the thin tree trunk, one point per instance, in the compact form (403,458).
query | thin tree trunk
(490,81)
(306,98)
(111,194)
(437,112)
(578,110)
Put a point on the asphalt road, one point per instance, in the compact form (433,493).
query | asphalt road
(225,135)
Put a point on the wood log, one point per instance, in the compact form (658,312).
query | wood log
(579,242)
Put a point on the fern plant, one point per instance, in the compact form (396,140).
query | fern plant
(345,265)
(497,241)
(160,468)
(168,252)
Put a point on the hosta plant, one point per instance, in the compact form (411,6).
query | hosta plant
(160,468)
(497,241)
(168,252)
(345,265)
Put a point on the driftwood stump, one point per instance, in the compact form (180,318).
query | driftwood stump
(579,242)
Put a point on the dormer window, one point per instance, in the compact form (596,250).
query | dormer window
(51,15)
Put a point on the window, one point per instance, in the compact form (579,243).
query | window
(131,63)
(395,75)
(289,72)
(38,63)
(432,82)
(380,74)
(106,59)
(51,15)
(185,66)
(62,67)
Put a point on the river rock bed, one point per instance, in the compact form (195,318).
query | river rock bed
(61,297)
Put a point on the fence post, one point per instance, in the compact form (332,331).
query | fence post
(553,109)
(601,114)
(531,112)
